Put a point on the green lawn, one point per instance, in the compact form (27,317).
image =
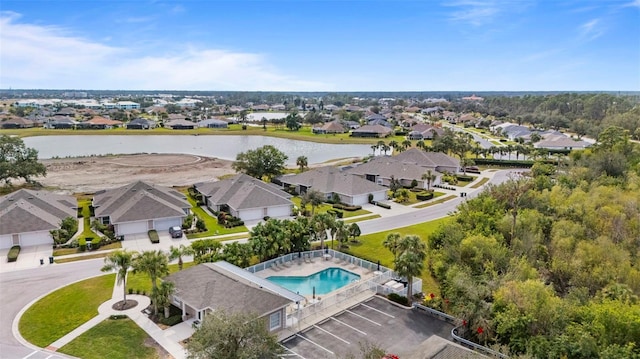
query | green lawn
(65,251)
(365,218)
(371,249)
(437,201)
(81,258)
(413,199)
(480,183)
(326,206)
(113,339)
(463,183)
(57,314)
(213,228)
(141,281)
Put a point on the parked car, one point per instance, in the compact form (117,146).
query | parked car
(175,232)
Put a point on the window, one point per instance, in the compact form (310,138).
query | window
(274,320)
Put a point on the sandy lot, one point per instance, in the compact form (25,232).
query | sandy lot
(90,174)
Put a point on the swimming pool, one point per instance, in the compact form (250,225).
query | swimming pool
(325,281)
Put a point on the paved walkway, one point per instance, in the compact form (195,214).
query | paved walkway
(169,338)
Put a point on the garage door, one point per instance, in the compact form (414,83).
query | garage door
(251,214)
(283,211)
(165,224)
(132,228)
(5,242)
(380,196)
(35,239)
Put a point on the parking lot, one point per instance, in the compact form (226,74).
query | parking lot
(375,321)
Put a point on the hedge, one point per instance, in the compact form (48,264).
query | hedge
(336,212)
(347,207)
(153,236)
(13,254)
(400,299)
(424,196)
(504,163)
(464,178)
(383,205)
(172,320)
(82,244)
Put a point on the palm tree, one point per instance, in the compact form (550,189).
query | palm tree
(374,148)
(413,244)
(394,144)
(406,144)
(315,199)
(120,261)
(409,265)
(179,252)
(420,144)
(302,162)
(319,225)
(391,243)
(340,233)
(155,264)
(354,231)
(386,148)
(162,296)
(429,177)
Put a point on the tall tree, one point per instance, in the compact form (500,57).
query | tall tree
(429,177)
(179,252)
(18,161)
(233,336)
(409,265)
(266,161)
(153,263)
(302,162)
(315,199)
(120,261)
(162,296)
(354,231)
(391,243)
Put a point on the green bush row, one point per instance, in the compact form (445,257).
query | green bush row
(346,207)
(13,254)
(172,320)
(400,299)
(464,178)
(423,196)
(336,212)
(153,236)
(504,163)
(383,205)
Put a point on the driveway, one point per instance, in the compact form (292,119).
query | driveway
(29,257)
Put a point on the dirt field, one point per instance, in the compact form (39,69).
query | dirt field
(90,174)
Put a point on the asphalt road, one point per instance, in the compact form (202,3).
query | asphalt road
(19,288)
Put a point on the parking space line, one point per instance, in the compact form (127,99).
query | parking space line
(365,318)
(49,356)
(316,344)
(333,335)
(289,349)
(30,354)
(347,325)
(377,310)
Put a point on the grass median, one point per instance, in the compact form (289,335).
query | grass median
(60,312)
(113,339)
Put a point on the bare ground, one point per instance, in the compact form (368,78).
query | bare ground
(90,174)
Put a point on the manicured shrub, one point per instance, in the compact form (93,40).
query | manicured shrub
(13,254)
(130,290)
(187,222)
(118,316)
(504,163)
(172,320)
(424,196)
(82,244)
(383,205)
(346,207)
(200,225)
(153,236)
(336,212)
(464,178)
(400,299)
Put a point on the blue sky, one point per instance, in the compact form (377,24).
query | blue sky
(350,45)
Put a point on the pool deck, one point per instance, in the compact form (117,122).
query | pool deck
(303,268)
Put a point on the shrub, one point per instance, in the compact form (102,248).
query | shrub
(423,196)
(370,196)
(187,222)
(13,254)
(130,291)
(153,236)
(336,212)
(82,244)
(464,178)
(400,299)
(383,205)
(504,163)
(96,243)
(117,316)
(346,207)
(200,225)
(414,183)
(172,320)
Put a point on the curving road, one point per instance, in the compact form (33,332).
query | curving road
(19,288)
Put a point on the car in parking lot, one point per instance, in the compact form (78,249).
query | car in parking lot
(175,232)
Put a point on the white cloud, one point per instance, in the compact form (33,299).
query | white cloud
(482,12)
(591,30)
(36,56)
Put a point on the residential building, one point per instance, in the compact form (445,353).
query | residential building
(27,217)
(213,123)
(330,127)
(180,125)
(127,105)
(246,197)
(221,286)
(140,124)
(140,207)
(372,131)
(382,169)
(352,189)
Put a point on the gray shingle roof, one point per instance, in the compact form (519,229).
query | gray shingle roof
(379,129)
(388,166)
(140,201)
(332,180)
(30,211)
(244,192)
(210,286)
(426,159)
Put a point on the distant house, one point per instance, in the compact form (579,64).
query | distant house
(140,207)
(60,122)
(16,122)
(381,169)
(372,131)
(561,143)
(221,286)
(330,127)
(213,123)
(261,107)
(27,217)
(180,125)
(437,161)
(102,123)
(423,131)
(246,197)
(351,189)
(141,124)
(127,105)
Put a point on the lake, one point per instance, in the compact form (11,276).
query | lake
(222,146)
